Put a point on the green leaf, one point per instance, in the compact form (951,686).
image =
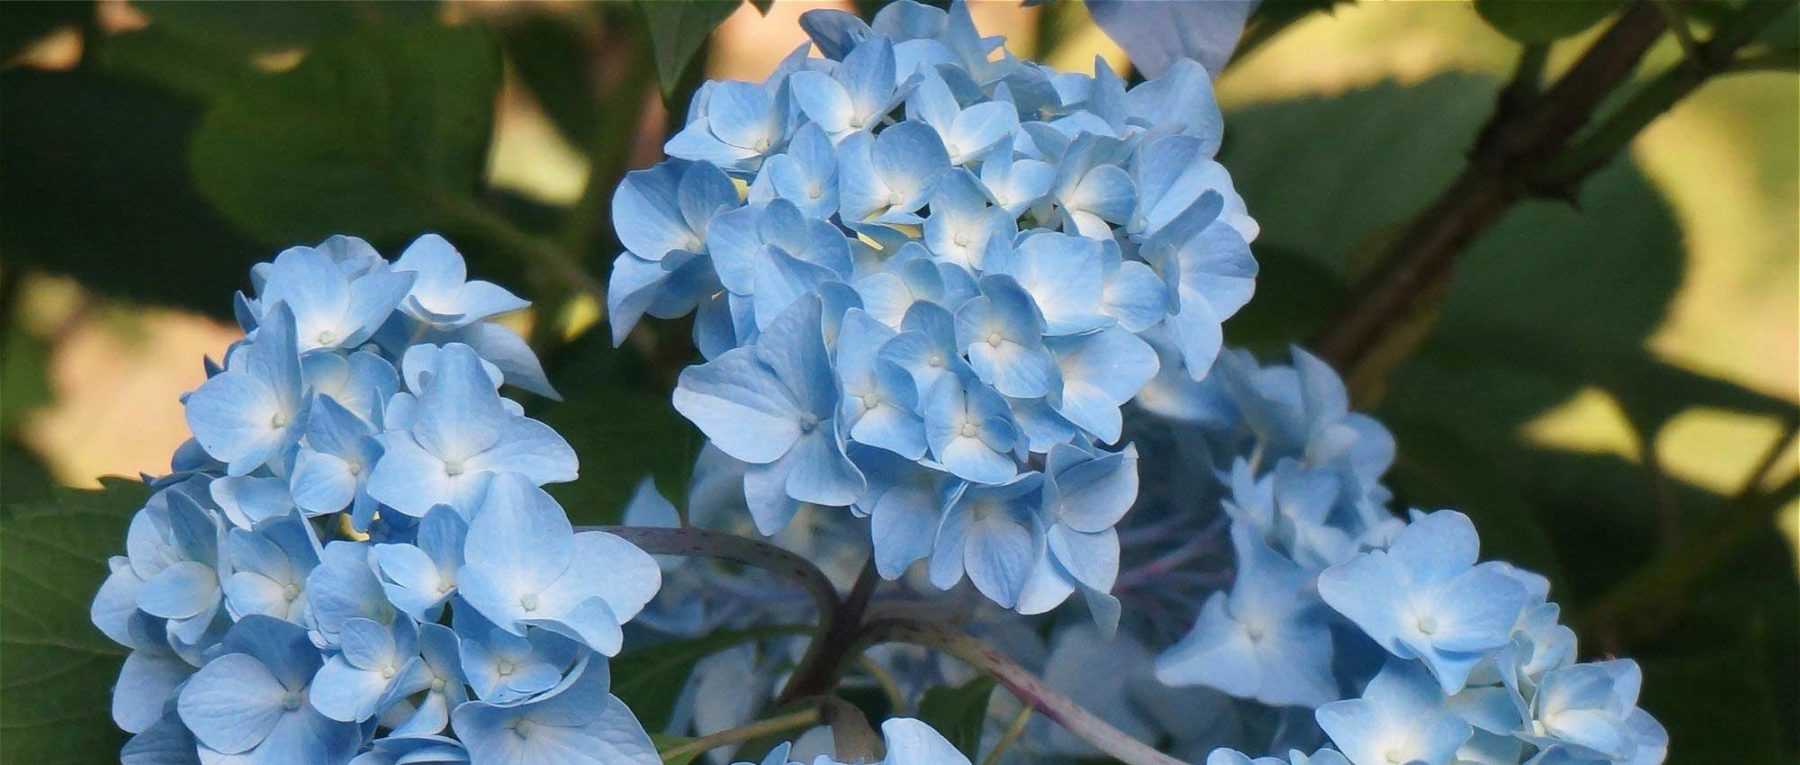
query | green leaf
(56,669)
(677,30)
(650,679)
(262,27)
(97,187)
(1543,21)
(1321,199)
(190,67)
(958,712)
(23,364)
(365,136)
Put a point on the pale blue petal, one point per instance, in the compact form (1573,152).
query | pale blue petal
(1091,494)
(646,216)
(911,742)
(146,682)
(821,473)
(741,406)
(519,536)
(232,703)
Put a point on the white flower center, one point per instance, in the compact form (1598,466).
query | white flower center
(969,429)
(453,468)
(291,701)
(278,420)
(814,191)
(994,339)
(387,672)
(936,360)
(528,601)
(808,423)
(1427,624)
(290,591)
(504,668)
(327,337)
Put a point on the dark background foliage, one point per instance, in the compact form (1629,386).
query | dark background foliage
(1606,385)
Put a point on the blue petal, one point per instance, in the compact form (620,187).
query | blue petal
(232,703)
(648,217)
(740,405)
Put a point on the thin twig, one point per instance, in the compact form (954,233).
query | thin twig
(775,725)
(890,688)
(1014,730)
(1027,687)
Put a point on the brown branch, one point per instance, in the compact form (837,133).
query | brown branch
(824,660)
(1024,685)
(1517,141)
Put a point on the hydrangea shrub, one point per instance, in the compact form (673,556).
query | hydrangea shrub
(961,318)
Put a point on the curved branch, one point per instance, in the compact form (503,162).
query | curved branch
(1527,148)
(701,543)
(1029,688)
(824,659)
(1517,140)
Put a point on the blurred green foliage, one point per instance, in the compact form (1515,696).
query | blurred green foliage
(173,156)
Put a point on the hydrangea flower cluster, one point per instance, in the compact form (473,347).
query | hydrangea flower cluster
(1391,638)
(352,560)
(922,272)
(951,305)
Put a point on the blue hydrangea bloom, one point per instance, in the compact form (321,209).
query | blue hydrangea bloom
(460,436)
(1400,717)
(254,410)
(253,700)
(1268,639)
(308,584)
(526,567)
(578,722)
(775,405)
(998,232)
(1426,598)
(1296,757)
(413,750)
